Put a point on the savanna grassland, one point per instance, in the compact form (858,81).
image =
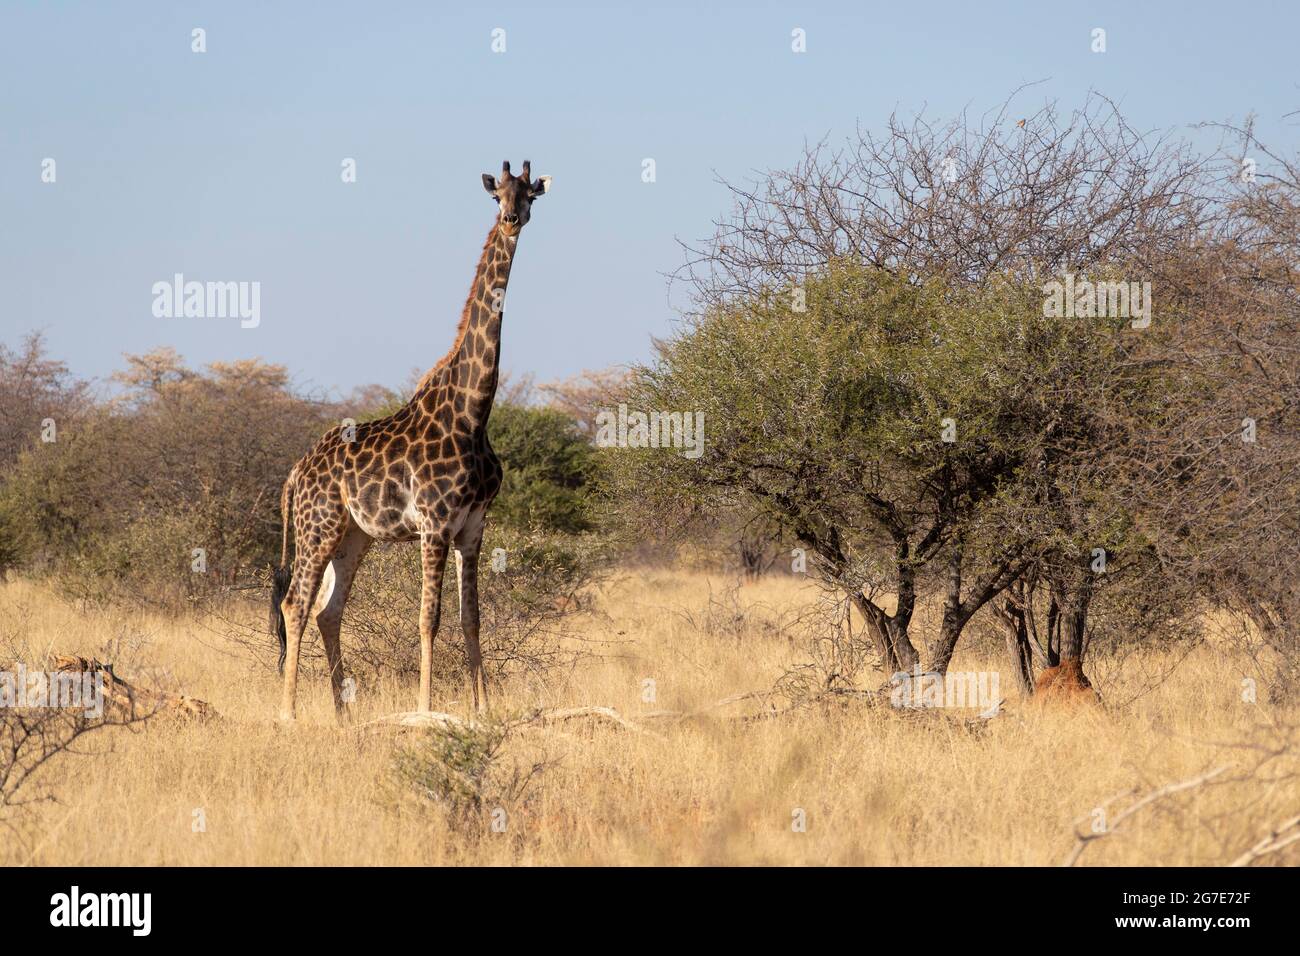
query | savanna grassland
(1010,397)
(876,785)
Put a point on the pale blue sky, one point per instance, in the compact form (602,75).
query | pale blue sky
(225,165)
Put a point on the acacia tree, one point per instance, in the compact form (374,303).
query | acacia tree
(968,211)
(1159,480)
(988,204)
(911,436)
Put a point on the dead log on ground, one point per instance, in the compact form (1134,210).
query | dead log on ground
(125,702)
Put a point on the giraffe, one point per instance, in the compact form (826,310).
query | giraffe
(425,472)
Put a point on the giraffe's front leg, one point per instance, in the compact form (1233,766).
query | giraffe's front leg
(433,556)
(468,545)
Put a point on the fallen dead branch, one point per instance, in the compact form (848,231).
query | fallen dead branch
(123,701)
(608,714)
(707,712)
(535,718)
(541,717)
(55,707)
(1280,837)
(414,718)
(1083,840)
(549,716)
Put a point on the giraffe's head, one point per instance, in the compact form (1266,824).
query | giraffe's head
(514,196)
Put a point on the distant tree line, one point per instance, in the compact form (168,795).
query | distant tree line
(167,489)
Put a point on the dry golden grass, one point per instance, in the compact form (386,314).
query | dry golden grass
(876,787)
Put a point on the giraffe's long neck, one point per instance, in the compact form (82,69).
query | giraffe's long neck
(475,360)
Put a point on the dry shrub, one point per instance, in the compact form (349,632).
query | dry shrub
(838,658)
(148,561)
(465,773)
(183,463)
(34,739)
(725,616)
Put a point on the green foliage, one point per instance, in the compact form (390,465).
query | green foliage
(896,422)
(847,397)
(548,466)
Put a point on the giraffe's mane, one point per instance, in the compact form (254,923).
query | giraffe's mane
(461,328)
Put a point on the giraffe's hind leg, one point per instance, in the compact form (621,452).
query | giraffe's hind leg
(336,585)
(312,552)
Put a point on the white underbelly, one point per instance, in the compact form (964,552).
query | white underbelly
(466,519)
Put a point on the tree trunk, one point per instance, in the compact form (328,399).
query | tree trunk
(1074,621)
(752,550)
(878,628)
(1019,649)
(941,649)
(901,621)
(889,632)
(1068,613)
(902,644)
(1277,632)
(1053,631)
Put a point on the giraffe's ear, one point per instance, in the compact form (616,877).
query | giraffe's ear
(489,183)
(543,185)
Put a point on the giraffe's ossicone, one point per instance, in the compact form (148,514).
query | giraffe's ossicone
(425,472)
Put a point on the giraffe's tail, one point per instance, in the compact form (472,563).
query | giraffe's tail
(282,576)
